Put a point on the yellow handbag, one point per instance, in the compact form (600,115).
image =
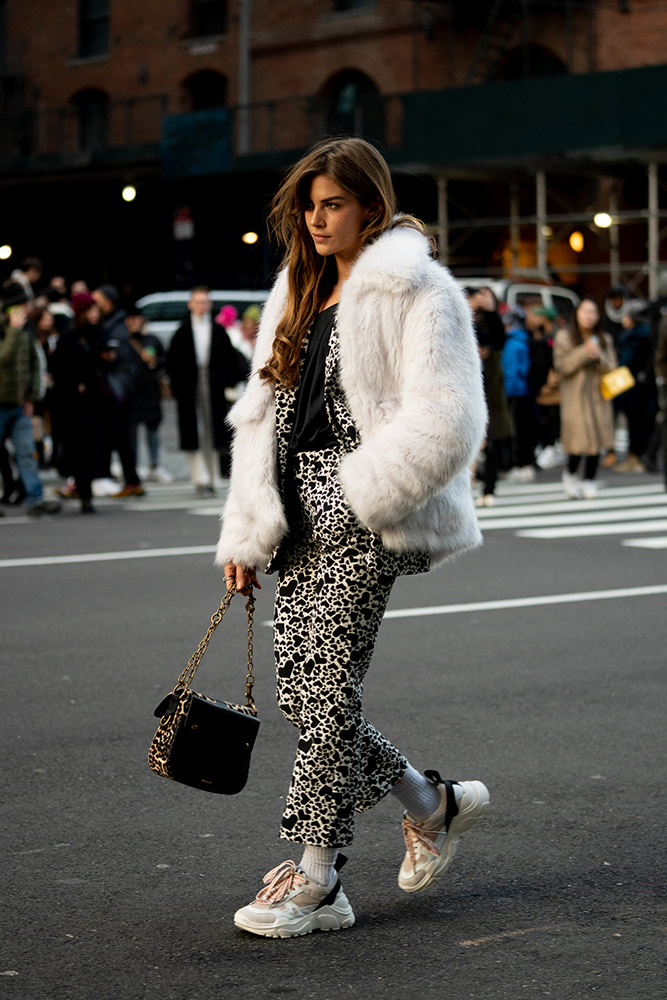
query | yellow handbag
(615,382)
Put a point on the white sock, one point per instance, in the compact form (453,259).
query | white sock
(318,863)
(418,796)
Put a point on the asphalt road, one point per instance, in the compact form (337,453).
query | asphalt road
(120,884)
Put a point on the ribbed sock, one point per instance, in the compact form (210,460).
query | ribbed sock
(318,863)
(418,796)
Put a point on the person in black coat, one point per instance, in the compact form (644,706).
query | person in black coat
(77,391)
(118,373)
(202,363)
(150,368)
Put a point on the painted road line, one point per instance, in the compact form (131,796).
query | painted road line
(585,517)
(584,531)
(98,557)
(522,602)
(557,495)
(647,543)
(529,602)
(507,490)
(569,506)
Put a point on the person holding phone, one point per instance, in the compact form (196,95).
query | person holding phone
(582,353)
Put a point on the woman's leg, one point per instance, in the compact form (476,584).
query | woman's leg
(591,467)
(570,482)
(153,441)
(491,463)
(330,600)
(328,611)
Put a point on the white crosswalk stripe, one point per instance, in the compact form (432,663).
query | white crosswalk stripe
(540,511)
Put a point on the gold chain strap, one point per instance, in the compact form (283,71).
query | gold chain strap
(187,676)
(250,677)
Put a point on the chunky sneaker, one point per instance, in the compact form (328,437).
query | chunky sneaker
(570,485)
(431,844)
(292,905)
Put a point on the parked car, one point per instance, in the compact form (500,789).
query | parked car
(512,293)
(164,311)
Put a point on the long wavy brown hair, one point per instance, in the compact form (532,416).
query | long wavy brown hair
(357,167)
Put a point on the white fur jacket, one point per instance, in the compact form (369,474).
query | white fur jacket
(410,371)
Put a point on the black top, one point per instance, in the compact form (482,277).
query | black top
(311,430)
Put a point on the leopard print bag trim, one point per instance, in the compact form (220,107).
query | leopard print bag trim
(203,742)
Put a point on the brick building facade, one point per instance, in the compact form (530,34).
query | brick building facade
(200,104)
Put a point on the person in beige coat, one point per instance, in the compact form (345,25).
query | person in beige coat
(582,353)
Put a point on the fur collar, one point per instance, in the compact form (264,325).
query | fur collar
(396,262)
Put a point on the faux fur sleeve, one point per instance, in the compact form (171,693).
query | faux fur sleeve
(415,356)
(253,521)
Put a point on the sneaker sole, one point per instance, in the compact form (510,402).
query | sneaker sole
(472,807)
(327,918)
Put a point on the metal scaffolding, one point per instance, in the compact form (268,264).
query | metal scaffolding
(542,221)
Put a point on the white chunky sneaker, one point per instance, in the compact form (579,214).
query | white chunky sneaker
(570,485)
(431,844)
(291,905)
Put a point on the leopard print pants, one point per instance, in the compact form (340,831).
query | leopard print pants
(331,595)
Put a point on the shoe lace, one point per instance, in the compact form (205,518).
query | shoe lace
(279,881)
(415,836)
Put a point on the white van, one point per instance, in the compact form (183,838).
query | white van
(516,293)
(165,311)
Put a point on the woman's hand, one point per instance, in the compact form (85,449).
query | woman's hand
(242,576)
(593,350)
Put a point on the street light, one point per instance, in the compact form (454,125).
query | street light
(602,220)
(129,192)
(5,252)
(250,238)
(577,241)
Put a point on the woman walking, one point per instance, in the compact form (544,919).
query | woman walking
(353,441)
(582,354)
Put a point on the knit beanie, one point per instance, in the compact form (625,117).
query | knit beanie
(82,302)
(110,292)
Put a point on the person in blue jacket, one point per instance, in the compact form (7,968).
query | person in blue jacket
(516,360)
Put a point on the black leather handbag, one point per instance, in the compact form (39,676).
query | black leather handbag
(203,742)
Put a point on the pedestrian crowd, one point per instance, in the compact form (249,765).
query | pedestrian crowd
(80,376)
(542,376)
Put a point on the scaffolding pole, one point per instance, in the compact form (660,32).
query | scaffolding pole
(443,221)
(653,232)
(244,77)
(614,236)
(515,228)
(541,222)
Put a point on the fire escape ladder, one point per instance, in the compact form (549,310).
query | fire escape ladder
(498,35)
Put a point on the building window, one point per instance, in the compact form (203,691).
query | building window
(93,27)
(207,17)
(205,89)
(92,118)
(352,105)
